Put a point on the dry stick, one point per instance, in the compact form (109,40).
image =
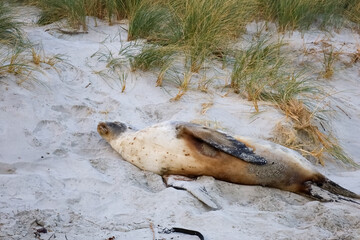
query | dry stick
(152,230)
(53,235)
(124,28)
(68,32)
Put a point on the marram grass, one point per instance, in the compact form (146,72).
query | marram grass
(198,27)
(9,29)
(301,14)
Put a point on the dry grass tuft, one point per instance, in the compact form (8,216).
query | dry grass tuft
(205,107)
(356,55)
(330,57)
(36,57)
(301,133)
(184,86)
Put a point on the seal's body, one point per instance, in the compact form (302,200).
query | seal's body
(181,148)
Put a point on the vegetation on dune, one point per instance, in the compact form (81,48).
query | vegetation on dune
(152,57)
(197,16)
(11,43)
(54,10)
(197,27)
(152,21)
(353,12)
(258,69)
(9,29)
(304,131)
(17,55)
(301,14)
(184,36)
(75,11)
(262,72)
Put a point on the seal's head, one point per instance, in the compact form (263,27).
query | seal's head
(111,130)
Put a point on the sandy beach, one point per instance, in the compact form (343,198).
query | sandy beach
(57,173)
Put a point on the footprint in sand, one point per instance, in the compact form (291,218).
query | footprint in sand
(6,168)
(158,112)
(46,133)
(79,112)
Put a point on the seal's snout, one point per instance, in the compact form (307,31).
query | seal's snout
(102,129)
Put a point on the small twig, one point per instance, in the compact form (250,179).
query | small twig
(53,235)
(152,229)
(88,85)
(124,28)
(92,223)
(66,237)
(68,32)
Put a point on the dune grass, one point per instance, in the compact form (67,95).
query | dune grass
(330,55)
(152,57)
(152,21)
(17,55)
(197,17)
(12,43)
(9,29)
(116,68)
(305,131)
(262,71)
(110,9)
(197,27)
(75,11)
(195,32)
(258,69)
(353,12)
(301,14)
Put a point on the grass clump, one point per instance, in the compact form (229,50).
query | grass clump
(152,57)
(75,11)
(12,44)
(330,55)
(55,10)
(110,9)
(9,29)
(305,132)
(301,14)
(197,27)
(262,72)
(116,67)
(151,21)
(353,12)
(207,26)
(258,69)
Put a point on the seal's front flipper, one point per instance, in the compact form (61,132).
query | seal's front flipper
(193,187)
(219,141)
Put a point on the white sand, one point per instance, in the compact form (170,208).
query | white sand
(56,171)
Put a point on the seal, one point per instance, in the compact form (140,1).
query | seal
(191,150)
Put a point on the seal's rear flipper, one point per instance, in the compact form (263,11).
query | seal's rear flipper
(335,188)
(318,193)
(193,187)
